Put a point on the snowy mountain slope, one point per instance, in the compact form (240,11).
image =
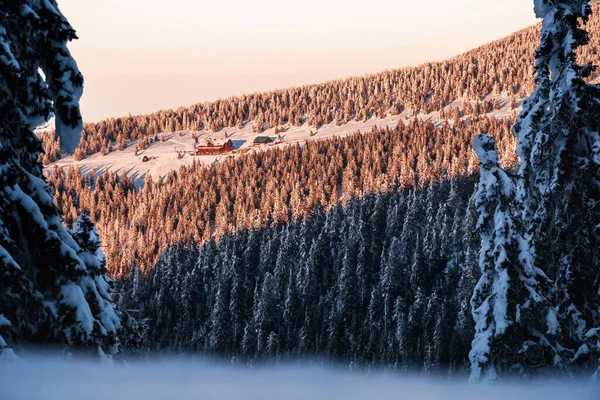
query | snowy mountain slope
(164,155)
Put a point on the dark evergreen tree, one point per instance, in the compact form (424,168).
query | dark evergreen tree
(220,332)
(559,187)
(53,288)
(513,317)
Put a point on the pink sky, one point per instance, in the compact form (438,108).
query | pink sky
(139,56)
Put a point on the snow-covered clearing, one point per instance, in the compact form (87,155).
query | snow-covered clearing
(50,379)
(164,155)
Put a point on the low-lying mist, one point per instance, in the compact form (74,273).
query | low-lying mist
(52,378)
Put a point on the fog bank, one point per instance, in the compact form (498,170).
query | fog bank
(171,378)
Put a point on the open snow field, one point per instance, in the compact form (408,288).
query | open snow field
(176,379)
(164,155)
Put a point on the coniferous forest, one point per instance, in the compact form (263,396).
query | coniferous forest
(384,280)
(266,188)
(464,247)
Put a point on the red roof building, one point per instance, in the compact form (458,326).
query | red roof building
(209,147)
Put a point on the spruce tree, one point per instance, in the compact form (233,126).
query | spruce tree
(559,185)
(220,333)
(509,303)
(53,288)
(392,284)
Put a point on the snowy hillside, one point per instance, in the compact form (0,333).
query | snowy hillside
(164,155)
(189,379)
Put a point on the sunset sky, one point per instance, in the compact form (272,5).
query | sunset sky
(139,56)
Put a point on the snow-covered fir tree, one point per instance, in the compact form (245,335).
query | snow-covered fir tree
(509,304)
(559,186)
(53,288)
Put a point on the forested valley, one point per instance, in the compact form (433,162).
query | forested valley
(363,249)
(464,243)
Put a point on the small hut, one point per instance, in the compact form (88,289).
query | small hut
(261,140)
